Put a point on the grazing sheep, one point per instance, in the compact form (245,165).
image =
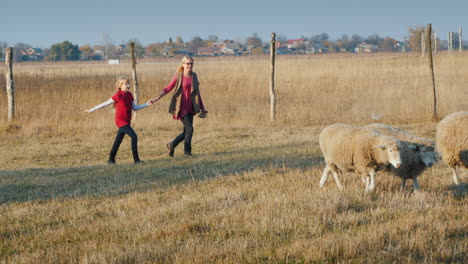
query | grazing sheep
(452,142)
(350,148)
(417,153)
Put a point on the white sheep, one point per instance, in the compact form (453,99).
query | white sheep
(349,148)
(452,142)
(416,153)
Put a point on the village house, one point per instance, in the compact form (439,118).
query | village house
(121,47)
(312,48)
(84,55)
(103,48)
(183,52)
(99,53)
(229,48)
(208,51)
(20,55)
(364,47)
(171,51)
(281,48)
(168,51)
(248,49)
(400,46)
(291,42)
(35,54)
(298,47)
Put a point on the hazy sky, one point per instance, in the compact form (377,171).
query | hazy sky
(42,23)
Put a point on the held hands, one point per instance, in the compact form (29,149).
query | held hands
(154,100)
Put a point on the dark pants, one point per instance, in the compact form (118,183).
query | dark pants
(118,139)
(186,136)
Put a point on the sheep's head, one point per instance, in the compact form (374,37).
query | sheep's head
(392,151)
(426,154)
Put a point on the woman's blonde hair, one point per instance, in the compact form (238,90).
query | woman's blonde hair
(181,66)
(120,81)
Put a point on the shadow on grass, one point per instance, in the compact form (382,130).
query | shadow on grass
(62,183)
(459,191)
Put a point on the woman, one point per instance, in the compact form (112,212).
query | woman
(185,103)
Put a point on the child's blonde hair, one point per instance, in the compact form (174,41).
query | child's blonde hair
(120,81)
(181,66)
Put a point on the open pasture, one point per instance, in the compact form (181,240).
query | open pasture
(250,193)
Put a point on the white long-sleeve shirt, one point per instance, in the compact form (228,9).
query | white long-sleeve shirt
(135,107)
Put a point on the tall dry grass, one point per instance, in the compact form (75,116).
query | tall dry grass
(311,90)
(250,194)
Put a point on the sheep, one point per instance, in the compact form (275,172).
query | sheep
(417,153)
(348,148)
(452,142)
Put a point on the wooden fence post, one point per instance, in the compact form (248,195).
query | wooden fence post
(134,73)
(423,45)
(435,43)
(450,42)
(272,77)
(10,86)
(431,66)
(460,46)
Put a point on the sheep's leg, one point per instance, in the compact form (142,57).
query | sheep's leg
(415,184)
(335,171)
(455,175)
(403,184)
(337,180)
(370,183)
(372,186)
(325,174)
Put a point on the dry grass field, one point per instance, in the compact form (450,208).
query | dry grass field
(250,193)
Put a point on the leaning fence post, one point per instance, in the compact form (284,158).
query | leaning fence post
(10,86)
(272,78)
(134,74)
(431,66)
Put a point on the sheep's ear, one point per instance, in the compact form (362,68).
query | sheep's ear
(429,148)
(382,147)
(414,147)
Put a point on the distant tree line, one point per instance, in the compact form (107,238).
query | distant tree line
(64,51)
(67,51)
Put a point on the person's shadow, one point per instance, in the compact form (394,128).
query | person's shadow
(64,183)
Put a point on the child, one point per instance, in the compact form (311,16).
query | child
(124,103)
